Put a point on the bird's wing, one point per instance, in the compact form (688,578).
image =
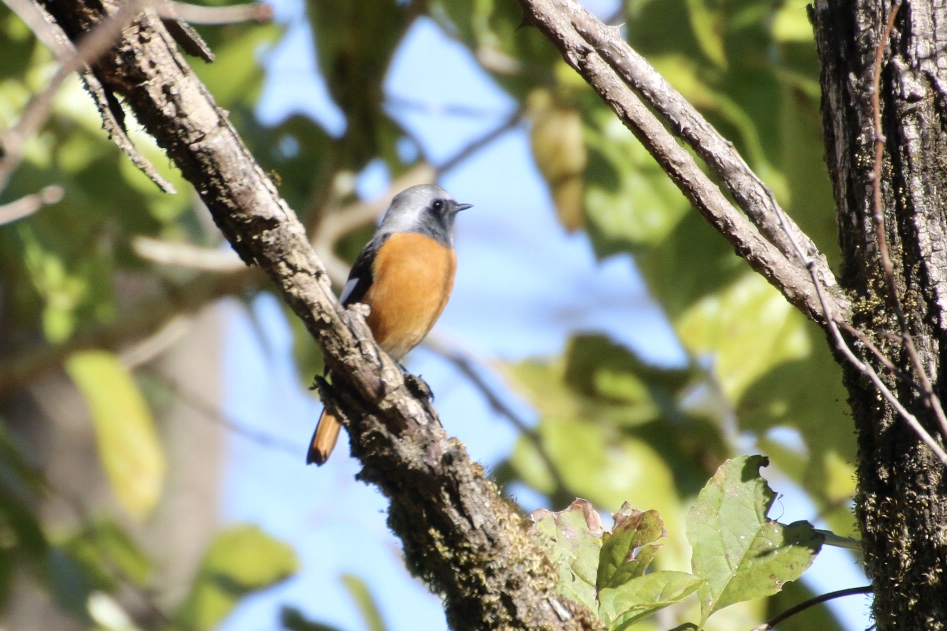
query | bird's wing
(361,276)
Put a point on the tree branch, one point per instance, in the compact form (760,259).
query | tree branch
(458,533)
(29,204)
(617,73)
(812,602)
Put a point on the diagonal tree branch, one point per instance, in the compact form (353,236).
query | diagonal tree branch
(624,79)
(458,533)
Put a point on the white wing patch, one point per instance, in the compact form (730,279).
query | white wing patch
(348,289)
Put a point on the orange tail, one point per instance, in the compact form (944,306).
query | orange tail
(323,440)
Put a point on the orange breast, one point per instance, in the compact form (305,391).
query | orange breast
(413,277)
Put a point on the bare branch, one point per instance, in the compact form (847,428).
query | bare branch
(817,600)
(573,30)
(73,59)
(512,121)
(29,204)
(187,255)
(232,14)
(753,197)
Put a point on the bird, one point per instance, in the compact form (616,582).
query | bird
(405,275)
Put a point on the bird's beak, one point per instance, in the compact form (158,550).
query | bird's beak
(460,207)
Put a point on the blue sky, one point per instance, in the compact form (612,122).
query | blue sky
(523,286)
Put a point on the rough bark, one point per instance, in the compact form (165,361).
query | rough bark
(902,502)
(458,533)
(902,498)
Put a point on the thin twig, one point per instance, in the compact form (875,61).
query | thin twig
(863,367)
(438,109)
(467,365)
(792,611)
(37,110)
(34,19)
(152,346)
(878,215)
(187,255)
(476,145)
(215,415)
(233,14)
(29,204)
(43,26)
(877,353)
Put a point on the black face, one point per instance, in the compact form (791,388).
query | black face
(443,219)
(442,212)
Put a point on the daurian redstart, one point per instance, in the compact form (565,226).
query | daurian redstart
(405,275)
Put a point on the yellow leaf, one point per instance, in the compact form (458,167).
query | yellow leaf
(128,443)
(708,25)
(559,151)
(749,328)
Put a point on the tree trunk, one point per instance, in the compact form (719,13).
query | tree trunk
(902,499)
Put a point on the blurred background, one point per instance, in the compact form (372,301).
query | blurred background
(602,341)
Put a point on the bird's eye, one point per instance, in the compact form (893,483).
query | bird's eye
(438,205)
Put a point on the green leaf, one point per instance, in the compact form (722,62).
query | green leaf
(60,289)
(366,604)
(239,561)
(630,203)
(599,463)
(629,548)
(573,541)
(708,29)
(738,551)
(622,606)
(125,433)
(103,546)
(791,24)
(70,583)
(750,329)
